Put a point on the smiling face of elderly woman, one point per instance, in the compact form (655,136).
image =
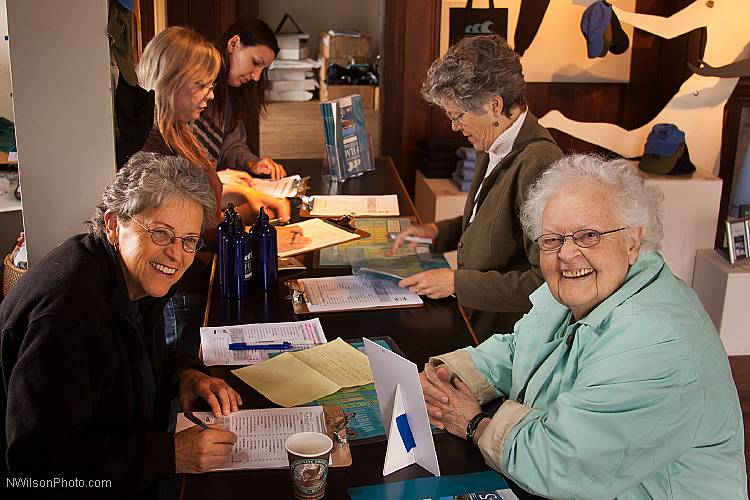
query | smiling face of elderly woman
(581,278)
(152,269)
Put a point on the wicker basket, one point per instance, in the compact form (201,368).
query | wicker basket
(11,273)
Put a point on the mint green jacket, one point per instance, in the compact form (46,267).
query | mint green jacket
(634,401)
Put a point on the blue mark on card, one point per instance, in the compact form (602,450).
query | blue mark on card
(403,428)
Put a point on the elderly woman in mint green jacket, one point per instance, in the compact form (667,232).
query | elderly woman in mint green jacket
(617,383)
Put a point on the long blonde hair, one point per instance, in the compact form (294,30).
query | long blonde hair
(176,57)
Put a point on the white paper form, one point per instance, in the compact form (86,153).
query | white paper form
(282,188)
(261,433)
(215,340)
(321,234)
(344,293)
(361,205)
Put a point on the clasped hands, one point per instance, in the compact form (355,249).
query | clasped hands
(198,450)
(450,403)
(435,283)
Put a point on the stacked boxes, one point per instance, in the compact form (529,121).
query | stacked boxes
(291,75)
(345,48)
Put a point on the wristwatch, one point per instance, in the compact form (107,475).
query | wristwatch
(471,428)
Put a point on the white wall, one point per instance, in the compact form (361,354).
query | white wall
(6,106)
(59,61)
(323,15)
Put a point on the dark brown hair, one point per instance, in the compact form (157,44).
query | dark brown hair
(250,97)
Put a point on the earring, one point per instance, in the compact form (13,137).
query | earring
(496,124)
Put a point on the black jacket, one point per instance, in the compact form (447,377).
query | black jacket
(72,385)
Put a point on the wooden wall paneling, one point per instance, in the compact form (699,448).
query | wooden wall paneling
(392,92)
(537,98)
(146,11)
(562,97)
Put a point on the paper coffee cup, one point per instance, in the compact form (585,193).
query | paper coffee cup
(308,454)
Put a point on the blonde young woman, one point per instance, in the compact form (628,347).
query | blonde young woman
(181,67)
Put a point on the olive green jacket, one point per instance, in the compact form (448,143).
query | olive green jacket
(498,266)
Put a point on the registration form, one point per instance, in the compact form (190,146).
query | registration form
(282,188)
(361,205)
(261,433)
(361,291)
(215,340)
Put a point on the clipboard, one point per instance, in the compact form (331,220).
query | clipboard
(343,223)
(300,302)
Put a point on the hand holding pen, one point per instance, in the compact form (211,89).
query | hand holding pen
(425,233)
(202,448)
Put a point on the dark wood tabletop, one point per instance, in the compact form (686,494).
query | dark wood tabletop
(436,328)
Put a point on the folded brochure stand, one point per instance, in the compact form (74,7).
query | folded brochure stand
(403,409)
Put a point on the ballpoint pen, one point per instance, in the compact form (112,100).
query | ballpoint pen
(241,346)
(413,239)
(195,420)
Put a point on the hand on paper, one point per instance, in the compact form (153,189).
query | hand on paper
(220,397)
(266,166)
(429,230)
(435,283)
(199,450)
(248,202)
(290,238)
(450,403)
(231,176)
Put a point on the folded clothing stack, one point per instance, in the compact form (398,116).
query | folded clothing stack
(464,173)
(437,157)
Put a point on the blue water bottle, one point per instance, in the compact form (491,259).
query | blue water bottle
(265,256)
(238,261)
(222,236)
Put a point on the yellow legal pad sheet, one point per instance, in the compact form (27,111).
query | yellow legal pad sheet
(296,378)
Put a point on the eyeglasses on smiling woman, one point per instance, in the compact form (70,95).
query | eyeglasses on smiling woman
(163,236)
(584,238)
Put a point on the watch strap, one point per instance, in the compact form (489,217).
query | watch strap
(473,424)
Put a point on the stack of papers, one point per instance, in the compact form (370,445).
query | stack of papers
(282,188)
(360,205)
(215,340)
(296,378)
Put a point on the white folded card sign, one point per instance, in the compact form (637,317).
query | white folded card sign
(403,410)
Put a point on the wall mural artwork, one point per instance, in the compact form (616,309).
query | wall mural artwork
(698,106)
(547,34)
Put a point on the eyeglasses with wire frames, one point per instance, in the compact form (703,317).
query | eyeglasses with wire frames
(206,87)
(163,236)
(584,238)
(456,119)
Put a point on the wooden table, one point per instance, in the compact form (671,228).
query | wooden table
(436,328)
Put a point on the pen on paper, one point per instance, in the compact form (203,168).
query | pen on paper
(242,346)
(413,239)
(200,423)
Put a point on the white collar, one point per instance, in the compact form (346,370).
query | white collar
(504,142)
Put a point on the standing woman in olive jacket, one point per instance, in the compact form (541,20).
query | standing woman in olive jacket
(479,84)
(87,375)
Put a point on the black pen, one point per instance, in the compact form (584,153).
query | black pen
(189,415)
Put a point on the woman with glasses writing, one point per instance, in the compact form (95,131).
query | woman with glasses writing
(479,84)
(88,378)
(616,381)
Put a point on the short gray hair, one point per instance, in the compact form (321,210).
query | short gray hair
(635,203)
(149,180)
(475,70)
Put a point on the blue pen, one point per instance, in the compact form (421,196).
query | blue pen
(241,346)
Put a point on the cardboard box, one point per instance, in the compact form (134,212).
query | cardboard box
(343,45)
(370,94)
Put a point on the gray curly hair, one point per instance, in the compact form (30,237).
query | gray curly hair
(149,180)
(636,204)
(473,71)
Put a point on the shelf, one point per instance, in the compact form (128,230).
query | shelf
(8,201)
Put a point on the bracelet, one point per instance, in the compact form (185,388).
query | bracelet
(473,424)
